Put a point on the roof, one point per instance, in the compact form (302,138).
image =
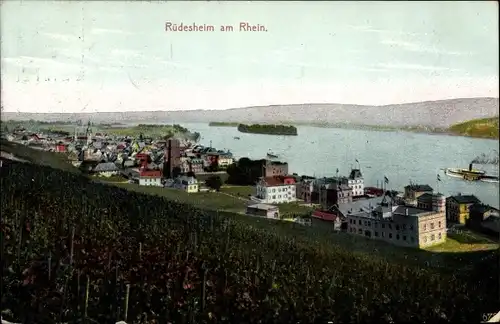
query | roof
(263,207)
(106,167)
(357,205)
(465,199)
(482,208)
(150,174)
(277,181)
(324,215)
(355,174)
(425,197)
(419,187)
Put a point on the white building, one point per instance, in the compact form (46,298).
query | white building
(356,182)
(107,169)
(150,178)
(276,190)
(188,184)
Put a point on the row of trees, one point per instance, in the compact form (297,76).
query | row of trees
(268,129)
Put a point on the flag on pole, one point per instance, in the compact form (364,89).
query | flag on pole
(337,170)
(438,177)
(386,180)
(357,161)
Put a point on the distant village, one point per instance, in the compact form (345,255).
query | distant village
(418,216)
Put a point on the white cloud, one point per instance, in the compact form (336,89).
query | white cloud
(406,66)
(418,47)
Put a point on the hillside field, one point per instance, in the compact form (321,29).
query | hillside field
(73,248)
(483,128)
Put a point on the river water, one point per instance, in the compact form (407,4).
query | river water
(401,156)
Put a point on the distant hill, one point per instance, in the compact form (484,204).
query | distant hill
(484,127)
(442,113)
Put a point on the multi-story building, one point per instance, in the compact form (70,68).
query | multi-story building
(334,194)
(185,168)
(356,182)
(225,160)
(196,165)
(305,190)
(458,207)
(172,158)
(150,178)
(275,168)
(400,224)
(279,189)
(413,191)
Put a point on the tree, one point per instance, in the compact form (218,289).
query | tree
(214,182)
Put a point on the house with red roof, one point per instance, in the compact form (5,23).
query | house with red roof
(150,178)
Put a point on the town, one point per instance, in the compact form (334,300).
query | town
(417,217)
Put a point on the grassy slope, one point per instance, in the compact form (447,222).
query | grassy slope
(483,128)
(52,159)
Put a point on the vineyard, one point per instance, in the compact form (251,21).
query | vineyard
(74,250)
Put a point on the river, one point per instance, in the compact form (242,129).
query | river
(401,156)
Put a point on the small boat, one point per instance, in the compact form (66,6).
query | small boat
(236,138)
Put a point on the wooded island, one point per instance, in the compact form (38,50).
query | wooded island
(268,129)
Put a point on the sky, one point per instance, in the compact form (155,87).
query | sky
(117,56)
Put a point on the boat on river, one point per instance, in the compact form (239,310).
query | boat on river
(470,174)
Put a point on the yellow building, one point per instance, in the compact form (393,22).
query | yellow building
(457,207)
(188,184)
(225,160)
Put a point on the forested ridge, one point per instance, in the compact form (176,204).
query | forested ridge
(74,249)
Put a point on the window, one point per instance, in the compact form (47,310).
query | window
(412,239)
(279,196)
(404,237)
(383,234)
(425,227)
(383,225)
(397,227)
(411,227)
(439,225)
(397,236)
(390,226)
(369,223)
(404,226)
(390,235)
(274,196)
(376,234)
(439,236)
(359,222)
(432,226)
(433,237)
(360,231)
(425,239)
(376,225)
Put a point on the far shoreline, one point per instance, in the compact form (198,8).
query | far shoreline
(416,130)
